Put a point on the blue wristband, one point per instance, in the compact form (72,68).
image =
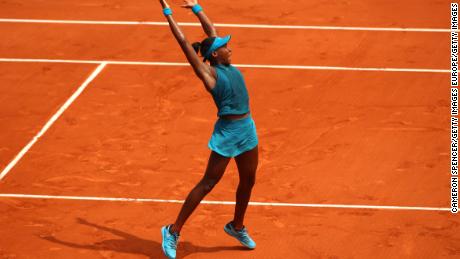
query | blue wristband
(197,8)
(167,11)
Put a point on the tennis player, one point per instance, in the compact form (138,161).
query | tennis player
(234,133)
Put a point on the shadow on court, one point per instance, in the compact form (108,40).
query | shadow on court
(134,245)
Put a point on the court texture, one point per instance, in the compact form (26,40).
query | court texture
(104,129)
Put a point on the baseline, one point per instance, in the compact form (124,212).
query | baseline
(272,204)
(228,25)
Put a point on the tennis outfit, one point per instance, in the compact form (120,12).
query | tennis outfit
(231,138)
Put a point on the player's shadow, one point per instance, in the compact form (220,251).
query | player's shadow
(134,245)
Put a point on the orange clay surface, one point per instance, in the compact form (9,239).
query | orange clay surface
(329,137)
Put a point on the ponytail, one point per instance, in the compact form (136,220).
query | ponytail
(196,46)
(203,47)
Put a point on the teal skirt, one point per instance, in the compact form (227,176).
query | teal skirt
(233,137)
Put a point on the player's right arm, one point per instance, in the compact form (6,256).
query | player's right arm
(207,25)
(201,69)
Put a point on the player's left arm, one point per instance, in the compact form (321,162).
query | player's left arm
(207,25)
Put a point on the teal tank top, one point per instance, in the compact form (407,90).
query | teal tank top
(230,93)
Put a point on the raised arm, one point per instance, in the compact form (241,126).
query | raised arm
(207,25)
(202,70)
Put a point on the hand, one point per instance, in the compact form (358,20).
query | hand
(164,4)
(189,3)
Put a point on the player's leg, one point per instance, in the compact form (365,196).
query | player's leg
(214,172)
(247,166)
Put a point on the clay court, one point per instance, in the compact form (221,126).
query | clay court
(105,129)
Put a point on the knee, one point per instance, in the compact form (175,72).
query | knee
(248,182)
(208,184)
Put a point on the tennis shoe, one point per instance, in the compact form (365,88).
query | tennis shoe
(169,243)
(241,235)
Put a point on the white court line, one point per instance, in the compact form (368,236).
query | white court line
(272,204)
(146,63)
(52,120)
(229,25)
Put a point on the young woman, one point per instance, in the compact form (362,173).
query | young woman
(234,132)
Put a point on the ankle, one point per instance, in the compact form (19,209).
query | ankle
(237,227)
(173,230)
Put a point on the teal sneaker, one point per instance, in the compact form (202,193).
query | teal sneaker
(241,235)
(169,243)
